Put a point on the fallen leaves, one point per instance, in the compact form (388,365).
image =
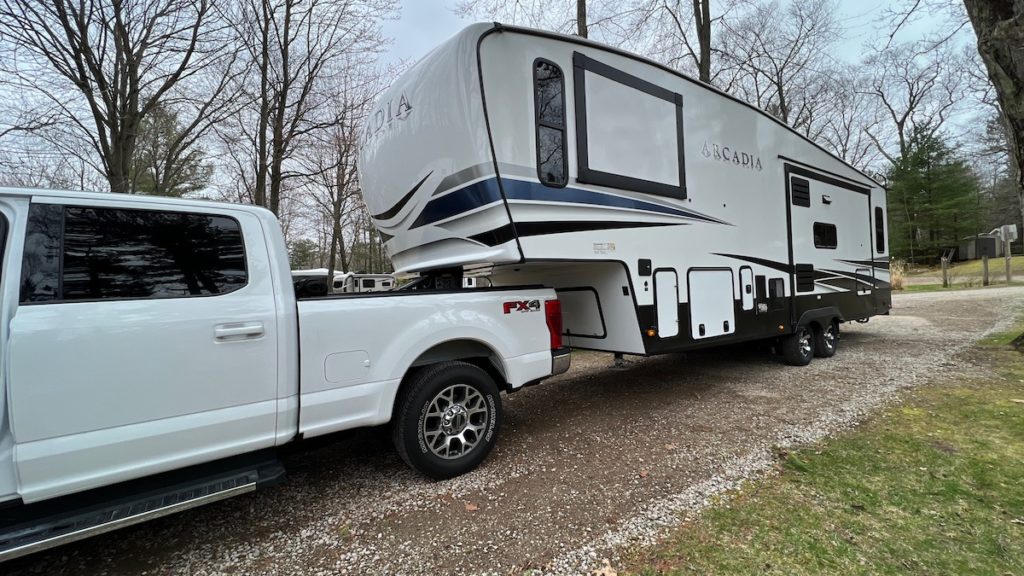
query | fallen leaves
(605,569)
(1017,401)
(644,473)
(471,507)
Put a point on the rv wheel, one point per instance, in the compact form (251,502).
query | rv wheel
(826,340)
(798,347)
(447,419)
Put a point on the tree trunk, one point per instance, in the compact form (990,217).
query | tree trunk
(343,253)
(260,192)
(581,18)
(999,25)
(702,20)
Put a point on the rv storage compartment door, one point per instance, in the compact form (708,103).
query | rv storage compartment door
(711,303)
(747,287)
(581,312)
(666,302)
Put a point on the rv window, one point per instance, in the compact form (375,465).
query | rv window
(879,230)
(549,101)
(629,131)
(369,283)
(825,236)
(777,292)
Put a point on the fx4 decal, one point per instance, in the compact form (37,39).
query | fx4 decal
(522,306)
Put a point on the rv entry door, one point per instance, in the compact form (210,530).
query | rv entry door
(830,235)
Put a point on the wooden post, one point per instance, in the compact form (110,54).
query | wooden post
(1006,252)
(945,272)
(984,270)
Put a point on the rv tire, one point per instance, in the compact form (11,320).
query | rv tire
(447,418)
(798,347)
(826,340)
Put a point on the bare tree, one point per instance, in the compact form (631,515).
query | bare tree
(948,15)
(916,91)
(851,112)
(329,160)
(295,48)
(103,66)
(601,19)
(581,18)
(775,49)
(676,31)
(20,115)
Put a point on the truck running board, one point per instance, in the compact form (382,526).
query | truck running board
(35,527)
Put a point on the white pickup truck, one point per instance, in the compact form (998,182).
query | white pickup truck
(155,358)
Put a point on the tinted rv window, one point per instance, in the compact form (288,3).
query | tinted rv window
(825,235)
(879,230)
(105,253)
(369,283)
(549,102)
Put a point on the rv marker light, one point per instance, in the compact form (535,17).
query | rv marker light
(651,332)
(782,328)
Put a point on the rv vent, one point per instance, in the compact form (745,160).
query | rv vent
(801,191)
(805,278)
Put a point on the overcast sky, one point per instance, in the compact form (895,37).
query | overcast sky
(426,23)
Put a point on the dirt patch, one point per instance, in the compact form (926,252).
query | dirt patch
(589,464)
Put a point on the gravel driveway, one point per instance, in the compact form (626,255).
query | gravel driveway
(588,464)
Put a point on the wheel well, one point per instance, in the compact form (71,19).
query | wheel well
(470,351)
(820,323)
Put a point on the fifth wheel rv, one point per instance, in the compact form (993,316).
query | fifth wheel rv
(667,215)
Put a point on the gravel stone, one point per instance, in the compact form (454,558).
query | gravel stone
(588,465)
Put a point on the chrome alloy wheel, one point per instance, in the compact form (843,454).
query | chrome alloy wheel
(455,421)
(805,342)
(829,337)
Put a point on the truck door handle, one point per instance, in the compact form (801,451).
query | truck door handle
(238,331)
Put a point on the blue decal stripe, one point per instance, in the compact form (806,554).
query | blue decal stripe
(472,196)
(523,190)
(487,191)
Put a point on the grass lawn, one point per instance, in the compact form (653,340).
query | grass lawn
(996,268)
(934,486)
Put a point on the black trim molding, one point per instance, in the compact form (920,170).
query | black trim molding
(394,210)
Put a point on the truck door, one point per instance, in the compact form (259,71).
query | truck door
(831,241)
(8,476)
(144,341)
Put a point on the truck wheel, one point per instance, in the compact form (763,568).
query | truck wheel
(826,340)
(798,347)
(447,419)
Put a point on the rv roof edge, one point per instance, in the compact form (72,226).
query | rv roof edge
(499,27)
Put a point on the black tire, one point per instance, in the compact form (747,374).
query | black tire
(798,347)
(826,340)
(435,443)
